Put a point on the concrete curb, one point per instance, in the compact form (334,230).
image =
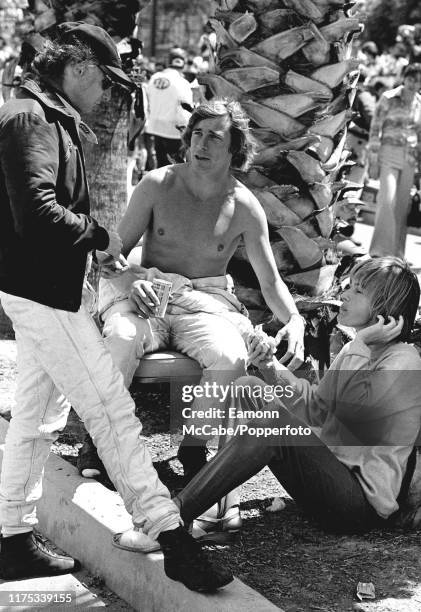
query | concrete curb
(75,586)
(81,516)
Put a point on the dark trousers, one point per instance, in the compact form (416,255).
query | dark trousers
(323,486)
(165,147)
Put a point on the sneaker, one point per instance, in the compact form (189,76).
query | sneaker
(214,529)
(26,555)
(185,561)
(192,458)
(88,462)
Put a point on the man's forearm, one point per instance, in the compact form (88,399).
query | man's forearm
(129,241)
(280,300)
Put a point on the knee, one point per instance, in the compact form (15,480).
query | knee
(120,327)
(227,361)
(232,356)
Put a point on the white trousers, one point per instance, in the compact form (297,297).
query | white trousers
(393,202)
(62,355)
(217,342)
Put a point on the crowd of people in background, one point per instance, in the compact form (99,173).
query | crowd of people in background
(387,100)
(394,158)
(385,68)
(379,72)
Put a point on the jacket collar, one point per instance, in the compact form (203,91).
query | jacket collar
(53,99)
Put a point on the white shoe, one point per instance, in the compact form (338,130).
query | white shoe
(134,540)
(217,529)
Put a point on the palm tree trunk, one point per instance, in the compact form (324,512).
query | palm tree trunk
(289,65)
(106,162)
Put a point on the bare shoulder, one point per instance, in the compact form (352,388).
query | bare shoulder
(250,207)
(155,182)
(155,178)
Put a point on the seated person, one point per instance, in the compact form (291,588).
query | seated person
(192,217)
(367,408)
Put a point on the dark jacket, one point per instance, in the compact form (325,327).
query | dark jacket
(45,228)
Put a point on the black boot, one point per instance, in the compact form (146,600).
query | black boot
(185,561)
(88,462)
(192,457)
(26,556)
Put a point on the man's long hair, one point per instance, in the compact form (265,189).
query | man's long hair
(242,142)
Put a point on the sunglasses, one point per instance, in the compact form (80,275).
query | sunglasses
(107,82)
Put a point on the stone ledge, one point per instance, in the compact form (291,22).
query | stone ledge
(80,517)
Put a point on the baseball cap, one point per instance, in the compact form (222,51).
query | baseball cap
(101,44)
(177,62)
(177,57)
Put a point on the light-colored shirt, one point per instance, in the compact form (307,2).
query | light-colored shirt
(397,123)
(166,91)
(368,406)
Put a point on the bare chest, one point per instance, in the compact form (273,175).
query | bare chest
(206,228)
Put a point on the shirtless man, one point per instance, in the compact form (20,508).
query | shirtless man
(192,217)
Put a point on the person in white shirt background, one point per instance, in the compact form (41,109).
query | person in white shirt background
(170,101)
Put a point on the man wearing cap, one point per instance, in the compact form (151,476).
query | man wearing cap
(170,99)
(46,234)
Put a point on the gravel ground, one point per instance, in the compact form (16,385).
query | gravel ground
(282,555)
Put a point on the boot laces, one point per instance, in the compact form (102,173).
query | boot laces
(41,543)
